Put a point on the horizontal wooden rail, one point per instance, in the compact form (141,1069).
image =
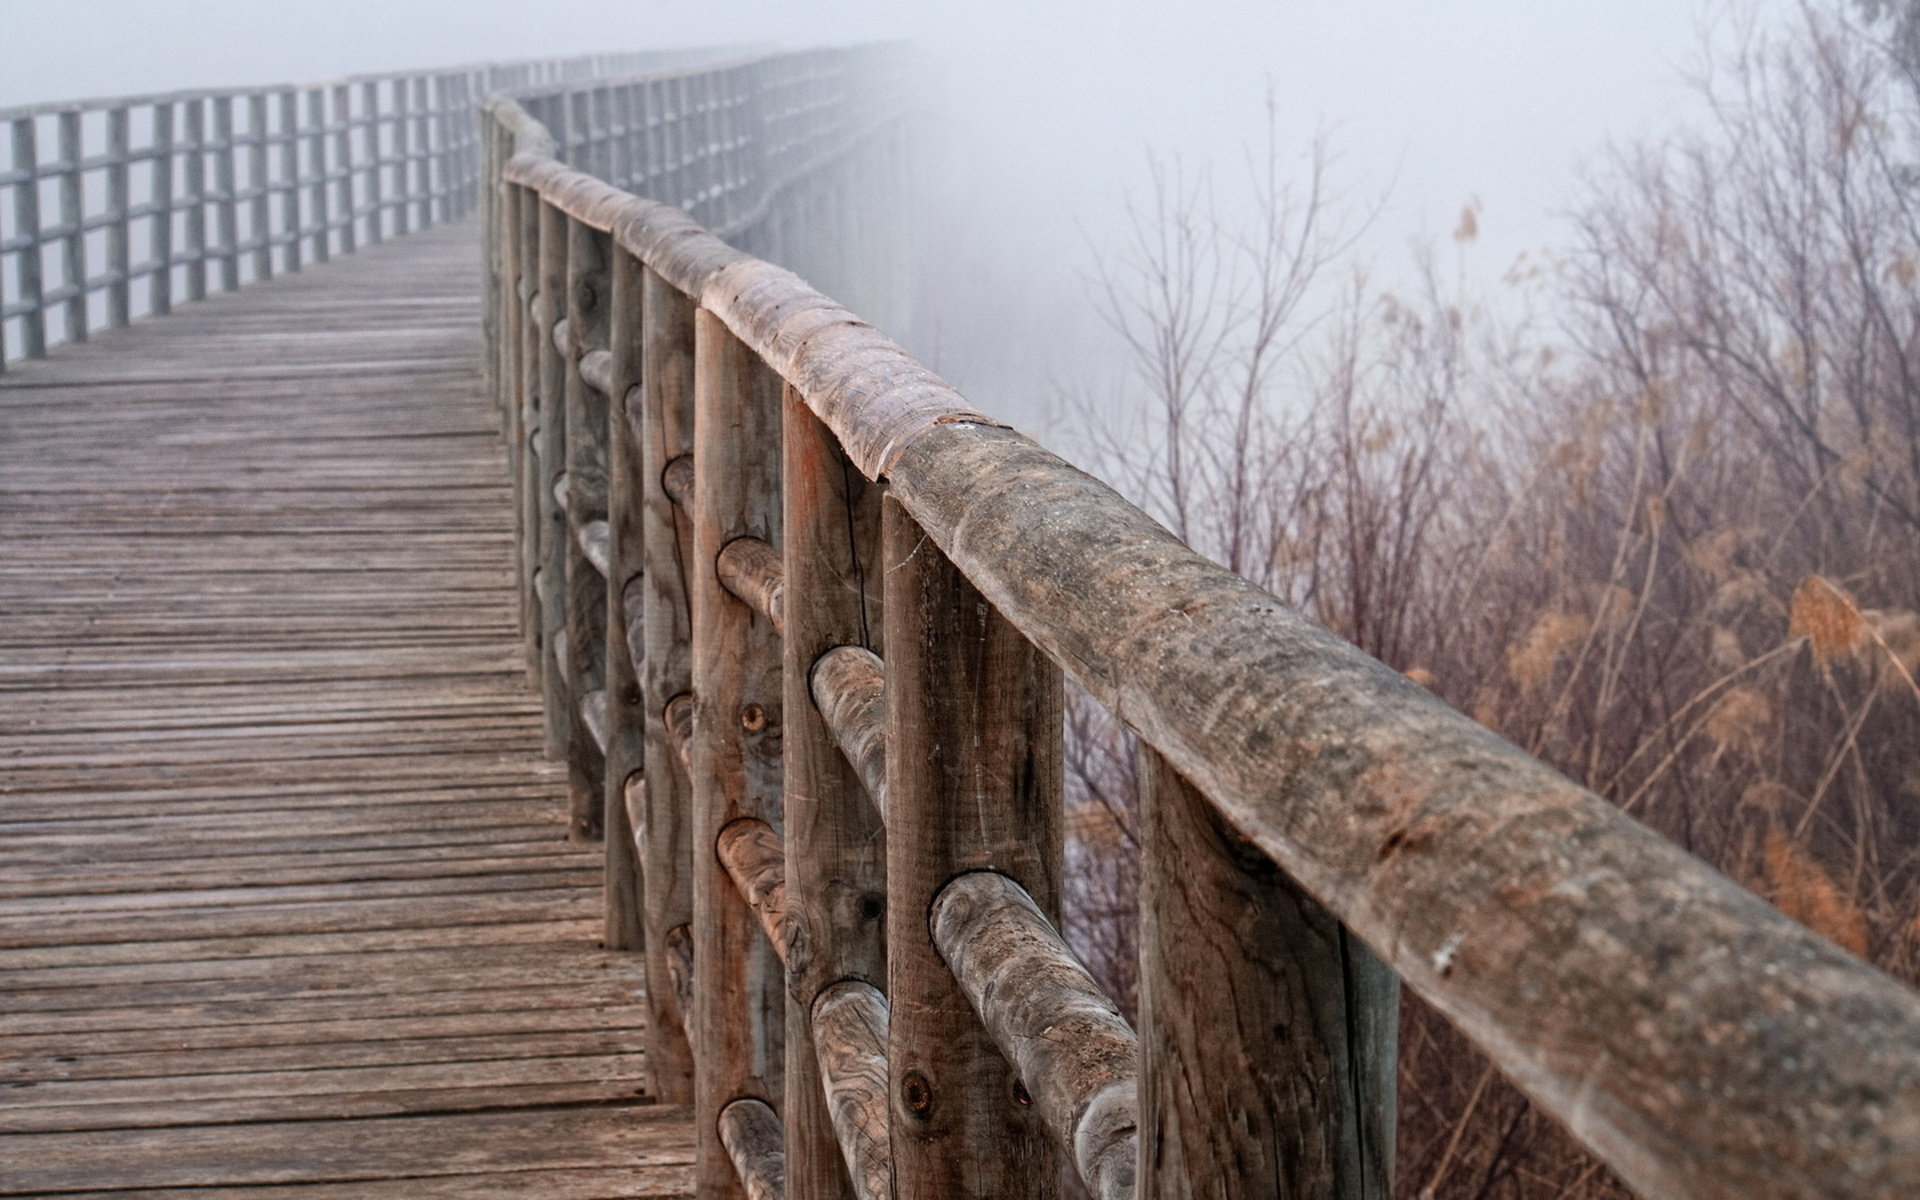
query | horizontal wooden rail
(1697,1041)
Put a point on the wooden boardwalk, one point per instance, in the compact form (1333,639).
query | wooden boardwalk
(286,905)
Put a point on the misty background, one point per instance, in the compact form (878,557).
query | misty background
(1041,118)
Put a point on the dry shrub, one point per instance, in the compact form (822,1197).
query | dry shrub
(1674,550)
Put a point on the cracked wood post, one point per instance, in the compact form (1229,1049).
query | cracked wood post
(626,559)
(665,835)
(835,844)
(973,783)
(738,998)
(1268,1032)
(586,587)
(849,1030)
(550,465)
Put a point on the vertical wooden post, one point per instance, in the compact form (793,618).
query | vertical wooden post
(835,841)
(1267,1032)
(666,844)
(317,164)
(402,157)
(586,467)
(194,159)
(370,164)
(226,185)
(260,177)
(72,212)
(119,280)
(625,584)
(973,782)
(550,464)
(739,998)
(292,226)
(26,208)
(160,283)
(526,237)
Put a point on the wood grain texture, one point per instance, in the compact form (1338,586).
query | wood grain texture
(1269,1033)
(848,686)
(286,901)
(835,846)
(738,980)
(750,1131)
(588,281)
(1072,1051)
(550,465)
(1585,954)
(751,570)
(849,1037)
(666,421)
(625,600)
(973,783)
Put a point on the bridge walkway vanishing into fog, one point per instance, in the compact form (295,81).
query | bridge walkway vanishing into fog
(286,894)
(308,591)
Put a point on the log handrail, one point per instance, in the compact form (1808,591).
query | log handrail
(1314,824)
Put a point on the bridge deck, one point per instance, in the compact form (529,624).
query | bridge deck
(285,901)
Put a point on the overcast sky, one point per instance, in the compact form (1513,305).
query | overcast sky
(1440,100)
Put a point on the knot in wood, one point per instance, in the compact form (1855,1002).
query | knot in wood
(916,1093)
(753,718)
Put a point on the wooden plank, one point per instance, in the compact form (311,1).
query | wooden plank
(973,782)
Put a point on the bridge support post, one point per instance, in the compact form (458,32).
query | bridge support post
(974,769)
(625,594)
(550,460)
(586,468)
(835,841)
(665,826)
(1268,1033)
(739,999)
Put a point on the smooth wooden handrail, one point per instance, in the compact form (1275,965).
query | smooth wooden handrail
(1697,1041)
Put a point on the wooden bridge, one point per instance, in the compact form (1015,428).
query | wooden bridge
(556,706)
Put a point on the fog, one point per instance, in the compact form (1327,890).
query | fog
(1051,107)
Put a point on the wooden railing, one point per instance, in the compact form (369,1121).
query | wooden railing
(802,617)
(121,207)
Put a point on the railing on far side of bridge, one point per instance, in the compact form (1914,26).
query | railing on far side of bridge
(118,208)
(813,612)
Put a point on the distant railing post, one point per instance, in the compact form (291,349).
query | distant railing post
(160,206)
(1267,1032)
(316,140)
(625,598)
(226,192)
(550,480)
(973,783)
(26,201)
(260,181)
(835,839)
(740,1000)
(666,822)
(73,211)
(524,234)
(373,161)
(586,473)
(292,225)
(119,274)
(194,159)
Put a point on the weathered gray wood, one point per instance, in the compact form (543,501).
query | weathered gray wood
(680,974)
(848,687)
(1068,1044)
(676,479)
(280,838)
(739,1000)
(751,1134)
(666,420)
(835,848)
(849,1037)
(1268,1031)
(623,563)
(751,570)
(587,325)
(973,783)
(1581,951)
